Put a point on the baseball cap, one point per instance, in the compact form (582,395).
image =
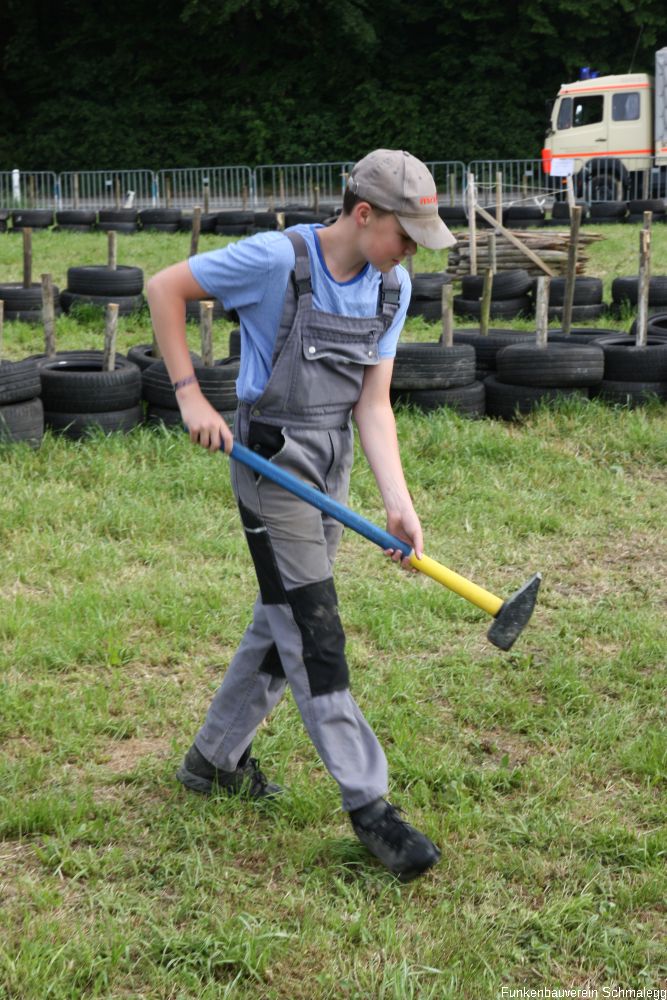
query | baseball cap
(398,182)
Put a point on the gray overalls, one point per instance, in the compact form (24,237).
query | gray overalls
(302,423)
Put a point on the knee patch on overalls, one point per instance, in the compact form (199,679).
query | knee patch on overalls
(315,610)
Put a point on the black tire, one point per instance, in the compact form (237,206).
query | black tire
(531,213)
(232,217)
(160,216)
(468,400)
(429,309)
(141,356)
(429,285)
(555,365)
(510,401)
(22,421)
(235,343)
(587,291)
(630,393)
(432,366)
(19,381)
(608,210)
(20,299)
(218,384)
(264,221)
(637,206)
(164,415)
(627,290)
(32,218)
(117,227)
(625,362)
(453,213)
(94,279)
(657,326)
(223,229)
(305,217)
(486,347)
(506,285)
(581,335)
(127,304)
(503,308)
(79,385)
(118,215)
(561,210)
(207,223)
(78,425)
(580,314)
(76,217)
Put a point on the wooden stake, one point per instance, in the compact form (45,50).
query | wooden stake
(513,239)
(281,178)
(75,187)
(452,189)
(48,316)
(491,249)
(110,331)
(31,188)
(206,330)
(472,223)
(570,274)
(447,337)
(542,312)
(155,349)
(485,311)
(117,191)
(569,187)
(167,191)
(112,241)
(244,197)
(499,197)
(641,338)
(316,192)
(27,257)
(196,230)
(207,197)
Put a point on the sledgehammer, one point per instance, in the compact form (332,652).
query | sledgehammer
(509,617)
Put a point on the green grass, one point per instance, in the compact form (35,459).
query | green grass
(125,586)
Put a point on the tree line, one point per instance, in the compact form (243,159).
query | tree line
(204,82)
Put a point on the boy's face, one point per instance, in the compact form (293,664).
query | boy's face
(383,240)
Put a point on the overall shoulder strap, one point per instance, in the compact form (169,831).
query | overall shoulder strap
(390,297)
(299,289)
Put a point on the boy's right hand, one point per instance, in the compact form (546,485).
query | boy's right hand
(204,424)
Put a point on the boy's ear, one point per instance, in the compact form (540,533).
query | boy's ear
(362,213)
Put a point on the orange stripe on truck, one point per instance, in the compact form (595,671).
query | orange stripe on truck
(597,90)
(610,152)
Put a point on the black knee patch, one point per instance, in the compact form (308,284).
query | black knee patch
(271,664)
(268,575)
(315,609)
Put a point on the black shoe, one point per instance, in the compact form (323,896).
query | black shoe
(247,780)
(403,850)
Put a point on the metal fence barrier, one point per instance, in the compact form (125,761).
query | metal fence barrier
(522,182)
(282,184)
(213,188)
(92,189)
(26,189)
(450,180)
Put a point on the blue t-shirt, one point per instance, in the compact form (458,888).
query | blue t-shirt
(251,276)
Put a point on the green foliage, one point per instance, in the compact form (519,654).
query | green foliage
(199,82)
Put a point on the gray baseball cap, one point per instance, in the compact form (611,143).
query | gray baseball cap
(398,182)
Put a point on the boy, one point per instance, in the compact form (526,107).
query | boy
(321,310)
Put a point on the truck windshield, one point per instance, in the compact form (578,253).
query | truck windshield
(565,114)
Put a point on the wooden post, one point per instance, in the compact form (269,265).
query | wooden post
(447,337)
(485,311)
(499,198)
(472,223)
(542,312)
(207,196)
(110,331)
(75,189)
(167,191)
(452,189)
(206,330)
(569,187)
(2,321)
(31,189)
(112,239)
(155,349)
(244,197)
(281,179)
(196,230)
(316,194)
(27,257)
(48,316)
(117,191)
(571,273)
(644,284)
(493,258)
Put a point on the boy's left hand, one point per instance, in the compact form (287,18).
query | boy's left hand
(406,526)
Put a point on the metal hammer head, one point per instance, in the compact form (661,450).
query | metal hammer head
(514,614)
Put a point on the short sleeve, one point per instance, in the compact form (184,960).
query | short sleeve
(237,274)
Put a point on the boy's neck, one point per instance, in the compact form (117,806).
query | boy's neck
(339,249)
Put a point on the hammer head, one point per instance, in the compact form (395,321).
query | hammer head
(514,614)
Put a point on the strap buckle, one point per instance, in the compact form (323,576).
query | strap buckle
(303,286)
(390,296)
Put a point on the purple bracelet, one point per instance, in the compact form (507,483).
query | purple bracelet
(183,382)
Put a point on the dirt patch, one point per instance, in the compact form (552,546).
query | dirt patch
(122,756)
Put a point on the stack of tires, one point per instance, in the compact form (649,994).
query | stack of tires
(608,212)
(510,295)
(78,395)
(528,375)
(426,298)
(4,218)
(263,222)
(206,222)
(428,376)
(587,303)
(636,209)
(633,375)
(218,385)
(453,215)
(118,220)
(560,213)
(97,285)
(161,220)
(523,216)
(76,220)
(486,346)
(25,304)
(234,223)
(625,293)
(21,411)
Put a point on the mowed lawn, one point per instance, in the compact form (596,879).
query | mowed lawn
(125,586)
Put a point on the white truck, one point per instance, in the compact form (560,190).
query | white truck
(610,134)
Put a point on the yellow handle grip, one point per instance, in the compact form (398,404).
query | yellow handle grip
(465,588)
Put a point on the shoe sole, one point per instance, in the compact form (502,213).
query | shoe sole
(194,781)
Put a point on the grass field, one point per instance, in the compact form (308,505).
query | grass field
(125,586)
